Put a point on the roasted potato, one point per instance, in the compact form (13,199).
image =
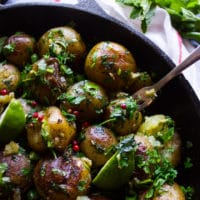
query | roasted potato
(53,131)
(97,141)
(159,126)
(123,115)
(86,97)
(62,177)
(18,49)
(110,65)
(172,192)
(45,82)
(16,171)
(9,77)
(63,41)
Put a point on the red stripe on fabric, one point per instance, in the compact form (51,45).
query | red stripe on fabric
(180,44)
(57,0)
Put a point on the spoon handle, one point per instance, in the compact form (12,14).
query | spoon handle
(192,58)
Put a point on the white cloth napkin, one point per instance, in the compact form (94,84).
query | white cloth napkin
(160,32)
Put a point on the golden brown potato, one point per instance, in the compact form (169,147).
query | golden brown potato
(123,115)
(34,134)
(16,172)
(62,41)
(45,82)
(97,141)
(62,177)
(53,131)
(110,64)
(172,192)
(87,98)
(19,48)
(9,77)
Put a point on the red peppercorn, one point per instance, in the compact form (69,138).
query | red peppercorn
(34,103)
(35,115)
(76,148)
(76,112)
(40,118)
(85,124)
(123,106)
(4,92)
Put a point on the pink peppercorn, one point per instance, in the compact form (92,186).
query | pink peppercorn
(4,92)
(123,106)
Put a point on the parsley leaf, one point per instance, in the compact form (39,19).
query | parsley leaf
(183,14)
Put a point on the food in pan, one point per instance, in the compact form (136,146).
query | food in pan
(79,134)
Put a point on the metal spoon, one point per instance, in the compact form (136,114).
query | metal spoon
(146,95)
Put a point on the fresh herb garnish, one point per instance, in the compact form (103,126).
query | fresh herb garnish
(81,185)
(188,191)
(69,117)
(158,171)
(183,14)
(124,147)
(46,136)
(122,114)
(27,171)
(188,163)
(9,48)
(3,179)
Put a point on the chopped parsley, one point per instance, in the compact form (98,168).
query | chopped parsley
(125,147)
(74,100)
(26,171)
(9,48)
(81,185)
(69,117)
(122,114)
(158,171)
(3,179)
(188,191)
(188,163)
(46,136)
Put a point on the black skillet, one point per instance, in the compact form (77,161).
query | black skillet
(177,99)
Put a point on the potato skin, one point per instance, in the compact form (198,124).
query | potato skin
(61,131)
(17,165)
(110,64)
(46,86)
(86,97)
(22,47)
(60,40)
(53,132)
(62,178)
(173,192)
(97,139)
(126,119)
(9,77)
(34,137)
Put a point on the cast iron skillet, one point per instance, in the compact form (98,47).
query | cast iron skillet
(177,99)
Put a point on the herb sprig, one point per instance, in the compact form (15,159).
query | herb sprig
(183,14)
